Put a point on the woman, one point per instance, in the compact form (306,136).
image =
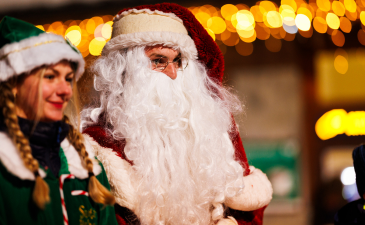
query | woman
(47,174)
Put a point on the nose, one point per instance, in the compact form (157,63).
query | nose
(64,89)
(171,71)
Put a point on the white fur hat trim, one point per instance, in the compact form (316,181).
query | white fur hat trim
(148,28)
(28,54)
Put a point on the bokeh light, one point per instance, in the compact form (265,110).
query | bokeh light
(73,33)
(228,10)
(96,46)
(348,176)
(345,25)
(216,24)
(324,5)
(320,25)
(338,8)
(338,38)
(333,21)
(302,22)
(331,124)
(244,48)
(273,44)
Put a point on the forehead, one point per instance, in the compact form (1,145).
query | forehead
(161,50)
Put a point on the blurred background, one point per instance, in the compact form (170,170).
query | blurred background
(298,67)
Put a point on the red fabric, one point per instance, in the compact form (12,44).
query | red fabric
(208,51)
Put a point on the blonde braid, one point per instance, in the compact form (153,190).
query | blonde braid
(7,102)
(96,190)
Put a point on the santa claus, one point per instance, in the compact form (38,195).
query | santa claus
(171,149)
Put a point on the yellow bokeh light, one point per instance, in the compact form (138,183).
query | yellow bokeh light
(350,5)
(341,64)
(90,26)
(362,17)
(249,39)
(73,33)
(338,8)
(244,19)
(255,10)
(96,46)
(287,13)
(274,19)
(106,31)
(216,24)
(320,25)
(267,6)
(203,18)
(303,23)
(247,32)
(228,10)
(333,21)
(74,36)
(210,32)
(331,124)
(305,12)
(40,27)
(230,39)
(290,3)
(356,123)
(324,5)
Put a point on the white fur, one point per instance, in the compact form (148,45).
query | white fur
(176,133)
(147,11)
(180,42)
(256,194)
(10,158)
(28,54)
(118,172)
(135,23)
(75,165)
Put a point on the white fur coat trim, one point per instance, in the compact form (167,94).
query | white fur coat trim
(256,194)
(181,42)
(10,158)
(45,49)
(118,172)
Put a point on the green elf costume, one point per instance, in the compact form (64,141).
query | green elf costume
(23,47)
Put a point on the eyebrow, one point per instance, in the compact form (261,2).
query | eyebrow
(56,72)
(159,55)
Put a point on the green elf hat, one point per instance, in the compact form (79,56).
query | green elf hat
(24,47)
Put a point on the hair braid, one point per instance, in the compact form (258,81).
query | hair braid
(7,102)
(96,190)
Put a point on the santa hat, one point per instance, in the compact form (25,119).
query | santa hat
(24,47)
(171,25)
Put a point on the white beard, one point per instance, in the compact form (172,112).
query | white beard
(177,137)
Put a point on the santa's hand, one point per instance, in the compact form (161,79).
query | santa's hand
(227,221)
(256,194)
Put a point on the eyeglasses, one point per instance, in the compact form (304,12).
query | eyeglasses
(161,63)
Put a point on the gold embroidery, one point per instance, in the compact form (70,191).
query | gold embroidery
(87,217)
(25,48)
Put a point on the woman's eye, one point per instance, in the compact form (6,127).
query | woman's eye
(49,77)
(69,79)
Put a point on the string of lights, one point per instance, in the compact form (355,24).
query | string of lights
(240,25)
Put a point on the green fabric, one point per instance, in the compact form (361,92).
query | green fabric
(64,164)
(17,206)
(13,30)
